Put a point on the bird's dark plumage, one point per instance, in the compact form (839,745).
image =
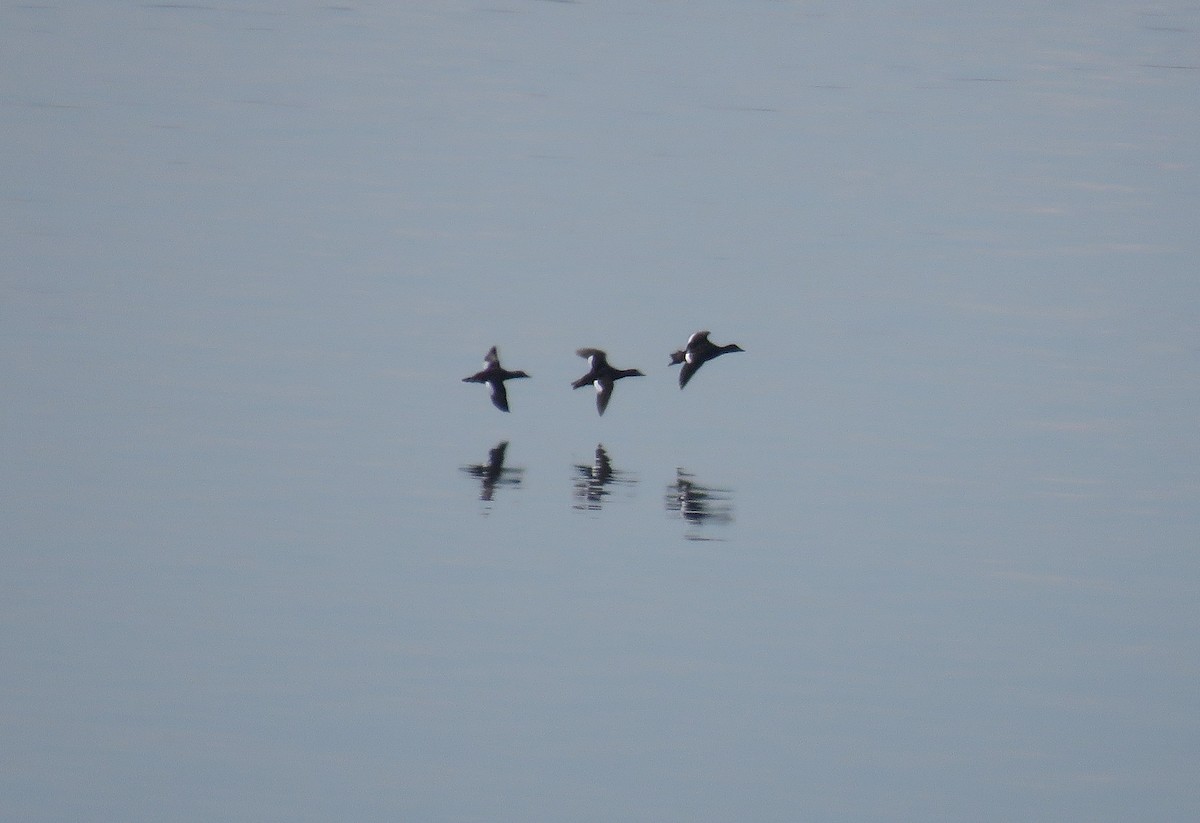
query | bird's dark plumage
(602,376)
(494,375)
(699,350)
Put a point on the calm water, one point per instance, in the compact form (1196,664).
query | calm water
(925,551)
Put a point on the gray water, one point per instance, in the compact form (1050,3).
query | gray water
(927,550)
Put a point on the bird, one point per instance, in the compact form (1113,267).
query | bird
(494,375)
(602,376)
(699,350)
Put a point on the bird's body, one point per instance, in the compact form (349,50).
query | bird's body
(699,350)
(602,376)
(494,375)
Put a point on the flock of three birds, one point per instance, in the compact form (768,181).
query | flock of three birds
(698,351)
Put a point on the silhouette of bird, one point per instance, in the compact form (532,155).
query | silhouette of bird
(493,474)
(699,350)
(602,376)
(494,375)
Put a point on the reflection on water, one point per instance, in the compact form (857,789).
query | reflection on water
(493,473)
(698,504)
(592,481)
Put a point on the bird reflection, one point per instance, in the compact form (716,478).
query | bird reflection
(591,482)
(696,503)
(493,473)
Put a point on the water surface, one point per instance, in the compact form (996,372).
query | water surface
(925,551)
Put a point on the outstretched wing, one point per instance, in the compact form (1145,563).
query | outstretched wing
(604,390)
(499,395)
(685,374)
(492,358)
(598,357)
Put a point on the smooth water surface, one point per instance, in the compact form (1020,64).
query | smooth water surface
(927,550)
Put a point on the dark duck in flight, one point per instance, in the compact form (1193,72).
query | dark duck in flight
(494,375)
(699,350)
(602,376)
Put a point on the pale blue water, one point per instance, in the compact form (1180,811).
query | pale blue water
(925,551)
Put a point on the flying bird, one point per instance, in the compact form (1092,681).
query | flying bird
(494,375)
(602,376)
(699,350)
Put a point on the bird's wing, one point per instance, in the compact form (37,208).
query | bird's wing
(685,373)
(604,390)
(499,395)
(598,357)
